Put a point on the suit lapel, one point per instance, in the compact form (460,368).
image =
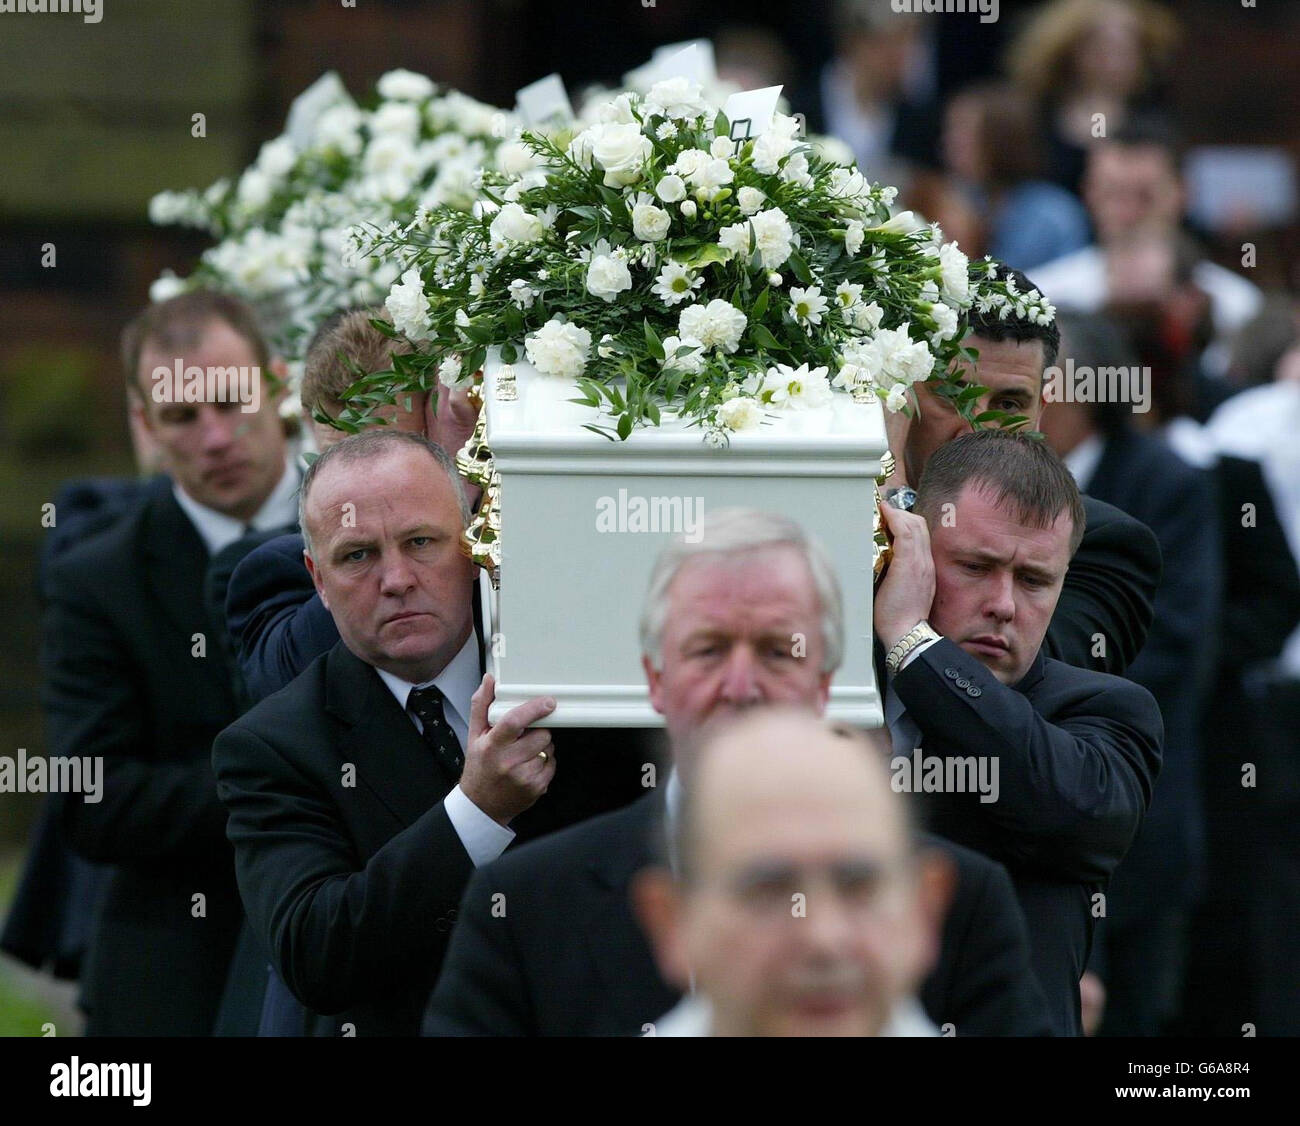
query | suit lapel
(177,560)
(391,759)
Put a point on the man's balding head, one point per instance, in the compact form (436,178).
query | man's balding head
(799,906)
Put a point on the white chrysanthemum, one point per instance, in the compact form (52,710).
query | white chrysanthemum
(787,387)
(558,349)
(675,97)
(608,276)
(666,131)
(773,236)
(691,362)
(675,283)
(719,324)
(740,413)
(408,305)
(807,305)
(956,274)
(405,86)
(750,200)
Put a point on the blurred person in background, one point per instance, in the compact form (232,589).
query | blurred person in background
(1140,945)
(134,676)
(798,903)
(990,145)
(1142,265)
(1078,59)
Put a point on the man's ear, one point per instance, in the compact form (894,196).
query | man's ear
(657,905)
(314,572)
(138,412)
(654,680)
(936,881)
(279,371)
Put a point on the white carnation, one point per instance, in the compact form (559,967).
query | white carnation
(691,362)
(719,324)
(558,348)
(675,97)
(853,236)
(277,157)
(405,86)
(740,413)
(773,236)
(650,223)
(607,276)
(513,224)
(400,118)
(956,278)
(750,200)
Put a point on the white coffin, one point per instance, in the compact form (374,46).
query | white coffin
(564,621)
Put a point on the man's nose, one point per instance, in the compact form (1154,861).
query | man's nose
(218,428)
(395,576)
(740,679)
(1000,601)
(830,920)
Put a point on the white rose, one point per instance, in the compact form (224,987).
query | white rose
(688,208)
(607,276)
(514,158)
(740,413)
(558,349)
(671,189)
(621,150)
(719,324)
(956,278)
(405,86)
(750,200)
(409,307)
(513,224)
(579,149)
(618,111)
(650,223)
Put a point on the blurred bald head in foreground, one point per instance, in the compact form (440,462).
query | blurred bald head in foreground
(798,905)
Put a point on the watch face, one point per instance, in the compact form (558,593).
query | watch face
(903,498)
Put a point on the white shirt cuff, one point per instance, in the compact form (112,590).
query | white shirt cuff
(483,838)
(917,652)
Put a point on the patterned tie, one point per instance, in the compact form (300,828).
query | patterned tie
(426,703)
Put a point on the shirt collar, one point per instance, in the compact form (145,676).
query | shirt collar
(458,681)
(1082,461)
(218,531)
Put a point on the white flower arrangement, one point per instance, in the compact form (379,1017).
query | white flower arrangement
(673,248)
(283,226)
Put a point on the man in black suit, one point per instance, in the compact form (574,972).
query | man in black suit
(362,796)
(1071,755)
(1106,607)
(546,943)
(133,676)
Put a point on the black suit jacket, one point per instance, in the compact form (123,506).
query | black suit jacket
(349,867)
(1077,752)
(122,682)
(1140,474)
(547,943)
(1109,592)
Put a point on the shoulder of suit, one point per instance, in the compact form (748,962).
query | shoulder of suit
(1081,684)
(105,552)
(286,713)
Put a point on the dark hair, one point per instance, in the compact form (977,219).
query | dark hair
(1151,130)
(1096,340)
(1021,472)
(370,446)
(177,324)
(1008,135)
(1018,329)
(349,340)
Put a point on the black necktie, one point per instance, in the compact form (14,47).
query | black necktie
(426,703)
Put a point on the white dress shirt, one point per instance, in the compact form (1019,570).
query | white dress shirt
(693,1016)
(219,531)
(1082,461)
(484,839)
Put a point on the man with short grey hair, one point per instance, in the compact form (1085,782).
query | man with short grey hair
(363,794)
(545,942)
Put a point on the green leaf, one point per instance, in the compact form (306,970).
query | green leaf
(765,339)
(708,253)
(509,353)
(653,344)
(760,305)
(721,126)
(624,427)
(800,267)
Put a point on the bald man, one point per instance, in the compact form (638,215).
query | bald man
(798,905)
